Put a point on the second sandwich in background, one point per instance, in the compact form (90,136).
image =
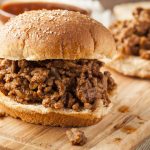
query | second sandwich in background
(133,45)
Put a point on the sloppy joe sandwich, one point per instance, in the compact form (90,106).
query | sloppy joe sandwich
(50,72)
(133,45)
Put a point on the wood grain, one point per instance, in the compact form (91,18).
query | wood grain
(126,126)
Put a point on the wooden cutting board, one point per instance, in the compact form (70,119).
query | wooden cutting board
(125,127)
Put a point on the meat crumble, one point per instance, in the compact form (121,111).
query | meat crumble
(133,36)
(74,84)
(76,137)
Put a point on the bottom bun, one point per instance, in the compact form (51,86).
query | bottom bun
(38,114)
(131,66)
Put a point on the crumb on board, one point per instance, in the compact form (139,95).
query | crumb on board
(76,137)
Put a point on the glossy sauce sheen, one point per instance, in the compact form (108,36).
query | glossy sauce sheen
(18,8)
(123,109)
(128,129)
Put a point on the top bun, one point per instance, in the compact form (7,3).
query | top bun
(57,34)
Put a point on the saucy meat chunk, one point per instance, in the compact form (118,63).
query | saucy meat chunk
(76,137)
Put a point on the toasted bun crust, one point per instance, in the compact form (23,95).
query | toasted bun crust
(38,114)
(57,34)
(130,66)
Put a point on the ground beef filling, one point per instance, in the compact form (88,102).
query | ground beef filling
(133,36)
(56,83)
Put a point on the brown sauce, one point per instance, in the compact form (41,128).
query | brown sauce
(117,140)
(123,109)
(2,114)
(141,122)
(128,129)
(20,7)
(139,118)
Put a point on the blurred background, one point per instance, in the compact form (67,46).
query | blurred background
(100,10)
(104,11)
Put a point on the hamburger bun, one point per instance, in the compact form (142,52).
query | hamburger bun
(58,34)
